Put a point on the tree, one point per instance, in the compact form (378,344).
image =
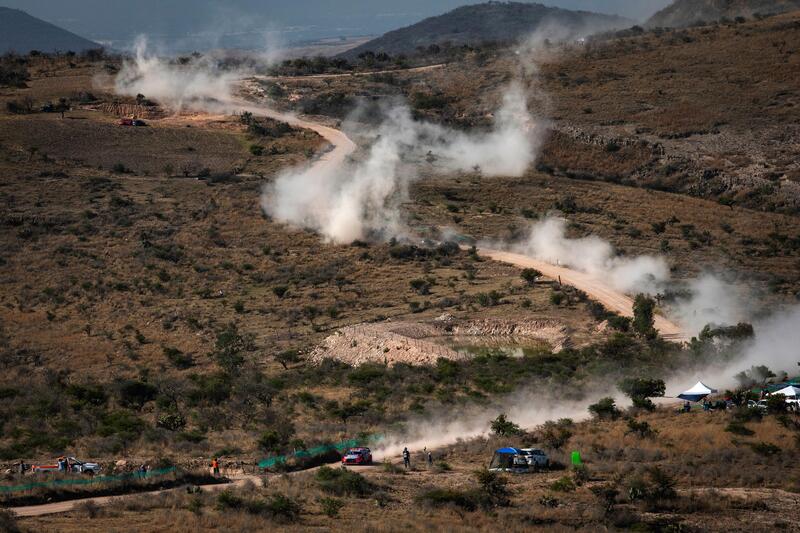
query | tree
(229,347)
(530,275)
(504,427)
(346,410)
(311,312)
(556,434)
(420,285)
(605,409)
(643,315)
(286,357)
(640,390)
(756,375)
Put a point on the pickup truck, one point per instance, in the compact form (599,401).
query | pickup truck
(75,465)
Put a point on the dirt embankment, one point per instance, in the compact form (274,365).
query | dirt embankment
(421,344)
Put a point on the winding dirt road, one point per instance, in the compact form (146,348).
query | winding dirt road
(595,288)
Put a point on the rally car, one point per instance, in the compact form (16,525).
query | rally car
(357,456)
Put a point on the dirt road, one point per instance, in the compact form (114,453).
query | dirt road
(237,480)
(596,289)
(425,68)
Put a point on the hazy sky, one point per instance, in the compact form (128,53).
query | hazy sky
(195,24)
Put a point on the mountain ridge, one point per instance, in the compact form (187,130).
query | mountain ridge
(487,22)
(682,13)
(22,33)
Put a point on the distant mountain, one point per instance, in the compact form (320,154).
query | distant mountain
(492,21)
(684,13)
(20,32)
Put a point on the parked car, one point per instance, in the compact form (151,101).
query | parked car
(82,467)
(357,456)
(75,465)
(536,457)
(760,404)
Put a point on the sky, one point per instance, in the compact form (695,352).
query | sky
(182,25)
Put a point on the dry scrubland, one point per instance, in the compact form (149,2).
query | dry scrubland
(144,314)
(692,453)
(629,109)
(140,306)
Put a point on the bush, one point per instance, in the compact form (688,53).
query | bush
(331,506)
(8,522)
(564,484)
(530,275)
(343,482)
(391,468)
(652,486)
(765,448)
(277,506)
(494,488)
(178,358)
(640,429)
(466,500)
(556,434)
(134,394)
(605,409)
(738,428)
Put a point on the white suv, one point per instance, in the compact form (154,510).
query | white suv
(536,458)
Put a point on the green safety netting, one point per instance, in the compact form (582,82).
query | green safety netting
(89,480)
(316,450)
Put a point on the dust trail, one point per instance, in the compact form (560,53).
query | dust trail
(527,408)
(363,198)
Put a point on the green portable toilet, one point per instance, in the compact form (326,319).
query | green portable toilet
(576,458)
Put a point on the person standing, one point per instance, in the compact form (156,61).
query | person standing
(215,466)
(430,460)
(406,458)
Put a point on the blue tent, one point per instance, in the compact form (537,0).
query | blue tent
(508,459)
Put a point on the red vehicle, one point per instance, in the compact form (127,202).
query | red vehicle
(357,456)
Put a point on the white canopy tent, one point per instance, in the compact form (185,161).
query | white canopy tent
(697,393)
(790,392)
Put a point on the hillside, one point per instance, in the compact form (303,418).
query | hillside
(684,13)
(21,33)
(492,21)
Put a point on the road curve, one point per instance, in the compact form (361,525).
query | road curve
(594,288)
(597,290)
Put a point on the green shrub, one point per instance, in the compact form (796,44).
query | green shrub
(343,482)
(605,409)
(122,424)
(439,497)
(640,429)
(331,506)
(178,358)
(530,275)
(134,394)
(564,484)
(738,428)
(652,486)
(765,448)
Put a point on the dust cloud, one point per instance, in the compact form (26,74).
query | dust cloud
(362,199)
